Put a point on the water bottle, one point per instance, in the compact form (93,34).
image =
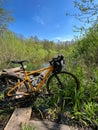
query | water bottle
(40,77)
(32,79)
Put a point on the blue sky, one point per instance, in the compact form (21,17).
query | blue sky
(44,18)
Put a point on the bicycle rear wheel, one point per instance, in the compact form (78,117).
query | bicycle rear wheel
(63,91)
(6,82)
(17,98)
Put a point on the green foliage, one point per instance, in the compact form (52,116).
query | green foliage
(88,114)
(83,61)
(14,47)
(81,58)
(5,18)
(86,13)
(28,127)
(87,9)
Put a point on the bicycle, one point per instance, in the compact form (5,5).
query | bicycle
(62,83)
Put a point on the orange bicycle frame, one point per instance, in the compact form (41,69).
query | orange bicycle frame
(28,80)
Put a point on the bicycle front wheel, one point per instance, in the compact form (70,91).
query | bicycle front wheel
(62,87)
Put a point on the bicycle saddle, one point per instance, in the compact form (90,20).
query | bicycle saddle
(19,62)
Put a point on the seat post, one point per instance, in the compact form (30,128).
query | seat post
(21,63)
(22,67)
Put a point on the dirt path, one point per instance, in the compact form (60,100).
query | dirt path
(47,125)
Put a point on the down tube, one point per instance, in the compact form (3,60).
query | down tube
(49,70)
(14,87)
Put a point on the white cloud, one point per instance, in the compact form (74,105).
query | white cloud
(65,38)
(39,20)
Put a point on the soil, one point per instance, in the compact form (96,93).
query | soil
(38,116)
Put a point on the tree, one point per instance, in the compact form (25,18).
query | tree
(86,48)
(5,17)
(88,9)
(87,13)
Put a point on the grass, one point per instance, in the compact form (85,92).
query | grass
(28,127)
(84,104)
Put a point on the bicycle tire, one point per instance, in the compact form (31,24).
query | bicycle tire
(14,100)
(67,93)
(6,82)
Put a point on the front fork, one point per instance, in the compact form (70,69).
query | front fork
(59,81)
(61,85)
